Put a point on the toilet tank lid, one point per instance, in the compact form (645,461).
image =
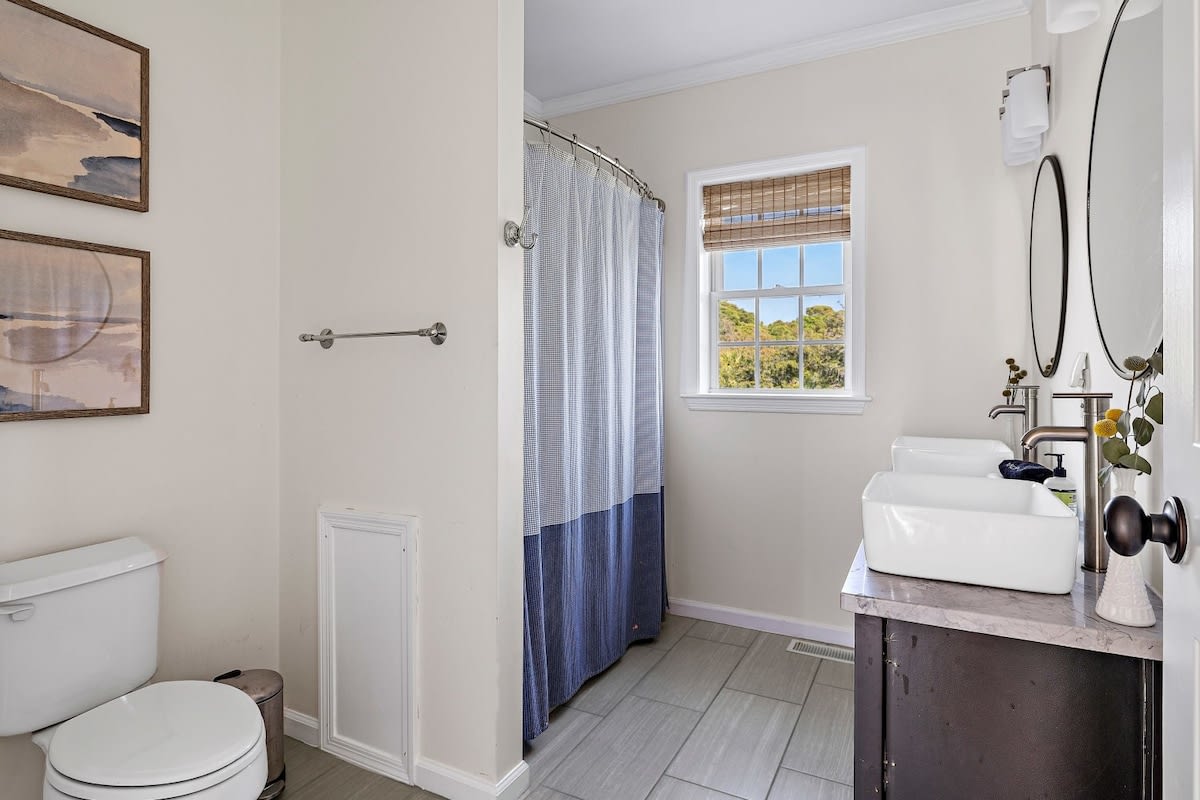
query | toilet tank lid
(30,577)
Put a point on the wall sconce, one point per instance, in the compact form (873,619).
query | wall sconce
(1029,101)
(1068,16)
(1024,114)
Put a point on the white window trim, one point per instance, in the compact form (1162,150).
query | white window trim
(697,343)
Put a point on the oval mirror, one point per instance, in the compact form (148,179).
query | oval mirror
(1125,187)
(1048,265)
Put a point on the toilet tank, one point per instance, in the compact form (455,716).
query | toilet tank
(77,629)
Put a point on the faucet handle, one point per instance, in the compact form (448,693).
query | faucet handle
(1094,403)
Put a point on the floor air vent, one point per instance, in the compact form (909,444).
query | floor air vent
(831,652)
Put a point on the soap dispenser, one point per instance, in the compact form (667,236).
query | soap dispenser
(1060,485)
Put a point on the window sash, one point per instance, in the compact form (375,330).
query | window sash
(716,269)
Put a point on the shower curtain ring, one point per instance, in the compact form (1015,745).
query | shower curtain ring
(574,141)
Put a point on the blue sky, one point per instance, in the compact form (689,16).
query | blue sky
(781,268)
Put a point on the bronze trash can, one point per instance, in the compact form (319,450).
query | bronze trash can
(265,687)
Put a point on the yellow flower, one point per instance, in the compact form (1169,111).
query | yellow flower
(1105,428)
(1114,414)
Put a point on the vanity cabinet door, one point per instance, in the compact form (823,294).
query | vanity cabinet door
(966,715)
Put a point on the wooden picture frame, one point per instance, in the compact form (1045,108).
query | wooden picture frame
(72,97)
(74,329)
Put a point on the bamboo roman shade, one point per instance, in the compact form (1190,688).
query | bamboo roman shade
(793,209)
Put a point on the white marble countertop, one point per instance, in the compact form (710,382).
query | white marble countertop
(1067,620)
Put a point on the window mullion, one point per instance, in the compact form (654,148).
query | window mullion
(757,338)
(777,343)
(784,291)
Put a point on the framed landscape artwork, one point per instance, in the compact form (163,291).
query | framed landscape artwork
(74,108)
(74,329)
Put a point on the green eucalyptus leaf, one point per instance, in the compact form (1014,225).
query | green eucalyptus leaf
(1114,450)
(1156,362)
(1143,387)
(1123,425)
(1154,408)
(1135,462)
(1105,471)
(1143,431)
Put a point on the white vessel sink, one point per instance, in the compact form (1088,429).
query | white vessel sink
(946,456)
(1008,534)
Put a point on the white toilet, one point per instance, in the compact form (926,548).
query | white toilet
(78,636)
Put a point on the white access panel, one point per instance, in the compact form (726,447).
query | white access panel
(365,618)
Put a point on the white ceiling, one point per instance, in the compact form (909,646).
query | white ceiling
(587,53)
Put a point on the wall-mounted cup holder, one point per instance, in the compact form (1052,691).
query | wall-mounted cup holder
(1127,527)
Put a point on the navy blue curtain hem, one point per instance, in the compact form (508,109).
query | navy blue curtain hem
(593,586)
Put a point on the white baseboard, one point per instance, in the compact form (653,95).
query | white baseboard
(759,621)
(301,727)
(431,775)
(455,784)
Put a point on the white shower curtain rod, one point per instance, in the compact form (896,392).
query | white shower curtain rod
(615,163)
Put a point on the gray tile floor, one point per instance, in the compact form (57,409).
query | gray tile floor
(315,775)
(705,712)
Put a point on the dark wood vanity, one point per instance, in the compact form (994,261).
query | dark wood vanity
(972,692)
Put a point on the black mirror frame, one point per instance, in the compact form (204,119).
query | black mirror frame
(1122,373)
(1056,169)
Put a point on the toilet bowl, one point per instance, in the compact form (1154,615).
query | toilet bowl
(193,739)
(78,643)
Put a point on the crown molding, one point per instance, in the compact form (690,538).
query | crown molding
(930,23)
(533,106)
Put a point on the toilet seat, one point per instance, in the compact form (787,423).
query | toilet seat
(253,761)
(165,740)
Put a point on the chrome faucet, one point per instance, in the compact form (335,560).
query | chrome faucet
(1027,408)
(1095,549)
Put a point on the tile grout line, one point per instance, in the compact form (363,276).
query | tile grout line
(601,717)
(700,719)
(818,777)
(569,753)
(702,786)
(792,736)
(723,687)
(628,693)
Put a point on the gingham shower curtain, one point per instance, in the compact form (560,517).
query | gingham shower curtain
(594,570)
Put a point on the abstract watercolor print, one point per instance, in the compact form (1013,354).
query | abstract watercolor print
(74,329)
(74,107)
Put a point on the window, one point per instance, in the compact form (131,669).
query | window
(776,274)
(780,317)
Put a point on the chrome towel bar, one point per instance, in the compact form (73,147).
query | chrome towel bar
(436,333)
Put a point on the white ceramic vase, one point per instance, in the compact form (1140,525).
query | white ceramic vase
(1124,599)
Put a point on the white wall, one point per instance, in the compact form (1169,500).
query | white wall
(401,158)
(198,475)
(762,509)
(1075,60)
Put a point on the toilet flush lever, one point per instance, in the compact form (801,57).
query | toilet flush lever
(17,613)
